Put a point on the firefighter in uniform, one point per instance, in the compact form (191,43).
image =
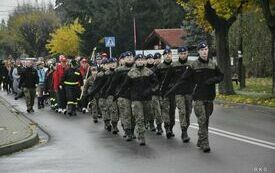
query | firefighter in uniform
(72,81)
(57,76)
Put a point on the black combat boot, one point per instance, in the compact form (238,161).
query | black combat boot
(129,136)
(159,129)
(141,140)
(205,148)
(108,126)
(199,143)
(133,133)
(184,136)
(114,127)
(39,103)
(168,131)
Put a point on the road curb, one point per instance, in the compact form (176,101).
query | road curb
(20,145)
(260,108)
(27,142)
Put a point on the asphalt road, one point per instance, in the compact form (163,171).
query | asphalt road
(242,141)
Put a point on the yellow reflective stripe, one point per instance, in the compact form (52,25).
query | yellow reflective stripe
(71,83)
(77,73)
(71,103)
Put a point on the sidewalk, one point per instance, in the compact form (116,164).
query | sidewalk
(16,132)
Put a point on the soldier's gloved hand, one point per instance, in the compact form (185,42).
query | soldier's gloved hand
(60,87)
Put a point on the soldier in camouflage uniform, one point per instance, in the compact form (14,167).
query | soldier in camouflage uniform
(183,92)
(205,74)
(141,81)
(112,108)
(149,121)
(97,88)
(167,103)
(86,90)
(156,98)
(123,97)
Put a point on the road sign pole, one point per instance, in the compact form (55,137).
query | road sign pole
(110,51)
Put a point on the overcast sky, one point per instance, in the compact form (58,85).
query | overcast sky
(7,6)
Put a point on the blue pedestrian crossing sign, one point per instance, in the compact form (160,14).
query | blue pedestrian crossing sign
(109,41)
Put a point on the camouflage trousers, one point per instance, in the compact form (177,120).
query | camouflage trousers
(93,108)
(184,104)
(99,113)
(29,97)
(203,111)
(102,103)
(140,110)
(125,113)
(156,109)
(112,109)
(168,107)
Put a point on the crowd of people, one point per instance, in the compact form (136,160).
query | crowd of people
(142,92)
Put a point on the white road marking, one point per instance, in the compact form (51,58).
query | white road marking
(237,137)
(240,136)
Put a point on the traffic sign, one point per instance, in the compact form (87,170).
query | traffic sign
(110,41)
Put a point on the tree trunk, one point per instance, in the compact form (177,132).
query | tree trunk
(273,62)
(223,59)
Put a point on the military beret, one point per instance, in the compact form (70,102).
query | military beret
(128,53)
(202,45)
(139,56)
(166,51)
(182,49)
(112,60)
(157,55)
(149,56)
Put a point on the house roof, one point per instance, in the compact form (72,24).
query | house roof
(171,37)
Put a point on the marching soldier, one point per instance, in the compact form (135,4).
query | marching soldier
(86,89)
(156,98)
(167,103)
(150,120)
(182,94)
(99,82)
(204,73)
(72,81)
(123,97)
(85,73)
(141,81)
(112,108)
